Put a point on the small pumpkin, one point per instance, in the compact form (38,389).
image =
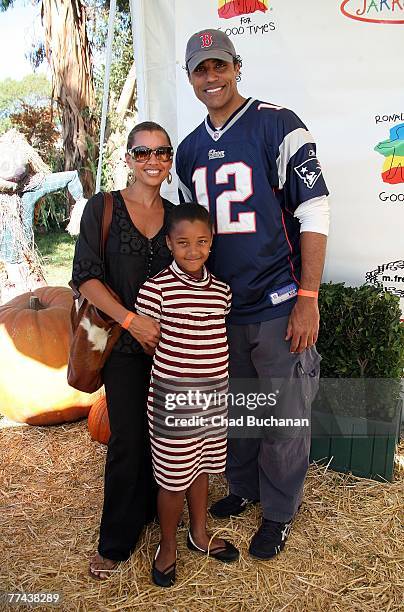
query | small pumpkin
(35,336)
(98,421)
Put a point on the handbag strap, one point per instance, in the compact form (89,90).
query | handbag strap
(106,222)
(105,225)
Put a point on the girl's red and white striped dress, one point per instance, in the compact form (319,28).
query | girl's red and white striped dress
(191,361)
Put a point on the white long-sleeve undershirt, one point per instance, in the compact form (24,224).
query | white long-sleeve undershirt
(314,215)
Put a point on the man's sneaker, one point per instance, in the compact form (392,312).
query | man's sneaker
(232,505)
(270,539)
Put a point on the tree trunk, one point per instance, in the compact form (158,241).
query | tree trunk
(127,93)
(116,144)
(69,56)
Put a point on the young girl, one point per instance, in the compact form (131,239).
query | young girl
(187,434)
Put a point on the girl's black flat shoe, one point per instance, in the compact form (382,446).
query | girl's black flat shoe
(165,578)
(228,554)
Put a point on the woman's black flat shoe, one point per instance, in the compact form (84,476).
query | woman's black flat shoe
(165,578)
(228,554)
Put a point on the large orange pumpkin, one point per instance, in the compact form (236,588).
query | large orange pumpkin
(98,421)
(34,349)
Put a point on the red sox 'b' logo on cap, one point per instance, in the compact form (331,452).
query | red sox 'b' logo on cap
(206,40)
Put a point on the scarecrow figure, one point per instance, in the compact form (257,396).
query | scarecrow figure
(24,179)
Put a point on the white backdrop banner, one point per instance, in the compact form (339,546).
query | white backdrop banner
(338,65)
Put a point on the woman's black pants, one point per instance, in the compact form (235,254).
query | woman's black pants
(129,490)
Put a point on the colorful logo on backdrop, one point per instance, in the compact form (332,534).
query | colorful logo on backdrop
(233,8)
(393,150)
(390,276)
(374,11)
(245,23)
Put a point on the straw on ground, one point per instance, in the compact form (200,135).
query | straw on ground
(345,551)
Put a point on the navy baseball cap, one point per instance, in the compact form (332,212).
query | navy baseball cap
(208,44)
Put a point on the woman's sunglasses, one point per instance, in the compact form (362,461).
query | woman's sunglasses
(143,154)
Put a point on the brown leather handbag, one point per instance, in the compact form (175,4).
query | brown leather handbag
(93,332)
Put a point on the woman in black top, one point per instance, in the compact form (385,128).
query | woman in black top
(135,250)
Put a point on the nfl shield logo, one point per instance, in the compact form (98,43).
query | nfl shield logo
(206,40)
(309,171)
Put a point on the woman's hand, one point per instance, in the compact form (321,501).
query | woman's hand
(146,331)
(148,351)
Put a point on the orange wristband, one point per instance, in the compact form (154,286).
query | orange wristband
(304,293)
(128,320)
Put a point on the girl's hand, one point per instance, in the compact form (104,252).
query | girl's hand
(146,331)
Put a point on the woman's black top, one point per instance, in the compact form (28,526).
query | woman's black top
(130,258)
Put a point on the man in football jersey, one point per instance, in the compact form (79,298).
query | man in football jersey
(253,165)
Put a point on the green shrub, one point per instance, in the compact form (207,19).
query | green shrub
(360,332)
(361,337)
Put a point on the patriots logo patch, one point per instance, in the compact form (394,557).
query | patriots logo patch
(309,171)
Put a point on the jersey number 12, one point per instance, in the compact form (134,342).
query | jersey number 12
(243,189)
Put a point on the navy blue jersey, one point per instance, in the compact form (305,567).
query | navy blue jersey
(252,174)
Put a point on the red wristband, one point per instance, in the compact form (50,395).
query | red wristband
(305,293)
(128,320)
